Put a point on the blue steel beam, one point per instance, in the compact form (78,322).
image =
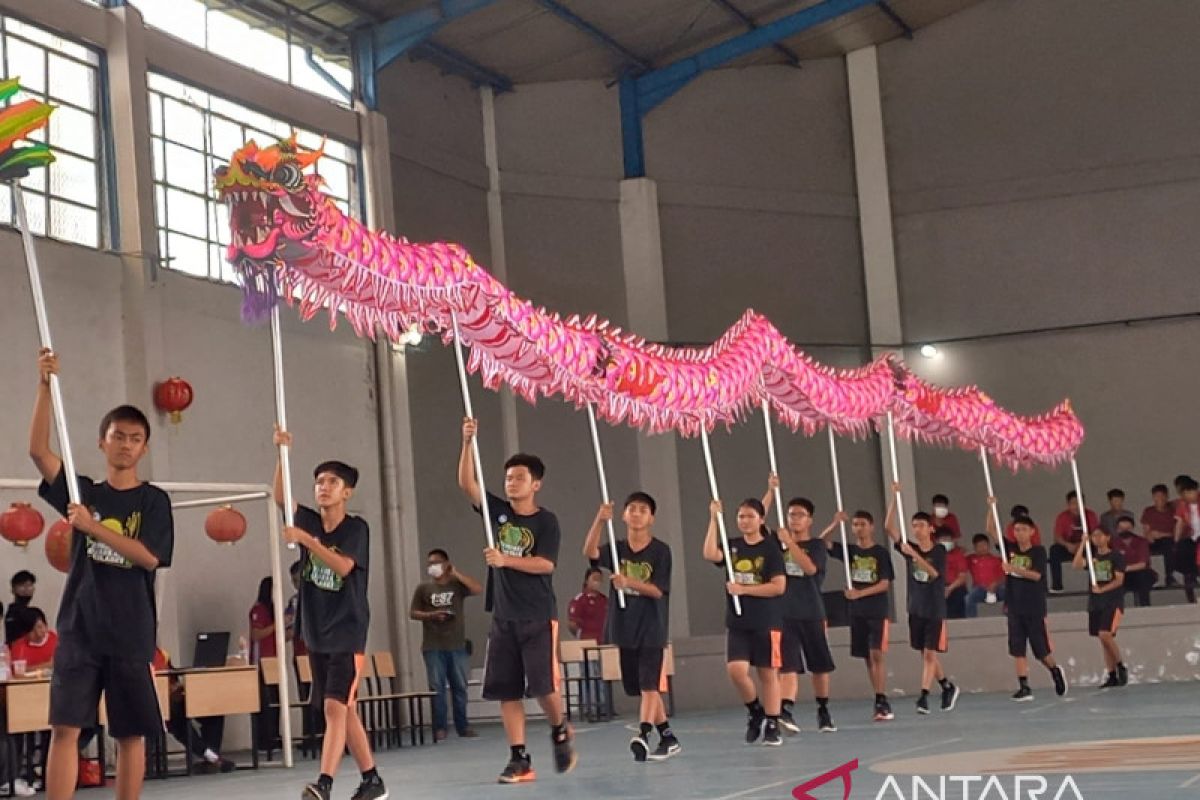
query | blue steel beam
(456,63)
(571,18)
(641,94)
(749,22)
(905,30)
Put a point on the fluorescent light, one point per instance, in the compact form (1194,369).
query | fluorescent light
(930,351)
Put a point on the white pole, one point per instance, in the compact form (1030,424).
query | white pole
(285,690)
(219,501)
(837,494)
(891,429)
(987,477)
(1083,523)
(43,323)
(612,539)
(771,458)
(712,485)
(285,461)
(470,412)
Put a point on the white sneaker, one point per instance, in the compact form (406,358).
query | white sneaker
(21,788)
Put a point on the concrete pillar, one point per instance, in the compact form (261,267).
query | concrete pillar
(646,303)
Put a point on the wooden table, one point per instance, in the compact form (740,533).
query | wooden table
(221,692)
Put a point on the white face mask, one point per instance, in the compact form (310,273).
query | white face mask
(940,511)
(435,570)
(948,545)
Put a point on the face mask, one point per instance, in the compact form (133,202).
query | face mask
(947,545)
(940,511)
(435,570)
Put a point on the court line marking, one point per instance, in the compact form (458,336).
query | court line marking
(885,757)
(1190,782)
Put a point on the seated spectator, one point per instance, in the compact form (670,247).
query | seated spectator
(956,574)
(943,517)
(588,609)
(1010,535)
(1158,529)
(289,613)
(36,648)
(1116,511)
(1187,532)
(1139,578)
(207,732)
(987,575)
(1068,534)
(23,583)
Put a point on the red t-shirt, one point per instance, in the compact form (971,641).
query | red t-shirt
(1066,525)
(949,521)
(1134,549)
(35,656)
(956,564)
(588,611)
(162,661)
(1161,521)
(260,618)
(985,570)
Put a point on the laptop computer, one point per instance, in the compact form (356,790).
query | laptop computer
(211,649)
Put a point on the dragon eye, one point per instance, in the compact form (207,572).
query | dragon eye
(254,169)
(287,174)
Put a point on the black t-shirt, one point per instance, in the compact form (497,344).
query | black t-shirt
(108,602)
(802,601)
(1024,597)
(1107,566)
(927,595)
(753,565)
(644,622)
(333,614)
(448,597)
(516,595)
(13,627)
(868,566)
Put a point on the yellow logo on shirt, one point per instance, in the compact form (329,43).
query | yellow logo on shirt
(101,553)
(513,540)
(864,569)
(638,571)
(748,572)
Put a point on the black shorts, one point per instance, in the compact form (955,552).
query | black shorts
(760,648)
(925,633)
(335,676)
(805,647)
(128,686)
(1106,620)
(521,660)
(867,634)
(1031,631)
(642,670)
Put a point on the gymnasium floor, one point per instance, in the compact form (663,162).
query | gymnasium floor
(985,733)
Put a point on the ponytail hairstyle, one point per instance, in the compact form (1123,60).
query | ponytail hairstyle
(755,505)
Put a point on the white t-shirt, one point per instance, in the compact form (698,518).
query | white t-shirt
(1194,517)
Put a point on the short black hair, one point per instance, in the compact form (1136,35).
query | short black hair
(943,530)
(641,497)
(23,576)
(29,615)
(921,516)
(341,469)
(590,572)
(804,503)
(941,498)
(1179,479)
(981,537)
(1072,495)
(1159,487)
(1023,519)
(1125,518)
(532,463)
(1188,484)
(1115,493)
(860,514)
(124,414)
(1101,531)
(437,551)
(1018,511)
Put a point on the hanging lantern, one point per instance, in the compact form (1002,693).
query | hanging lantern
(173,396)
(58,545)
(225,524)
(21,524)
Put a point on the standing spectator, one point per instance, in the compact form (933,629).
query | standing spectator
(1139,578)
(1010,533)
(987,575)
(262,645)
(1158,528)
(438,605)
(1187,531)
(956,574)
(589,608)
(1068,534)
(943,517)
(1116,511)
(23,584)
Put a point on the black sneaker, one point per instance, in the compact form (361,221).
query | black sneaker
(666,748)
(1111,682)
(949,697)
(754,727)
(923,704)
(771,737)
(1023,695)
(1060,681)
(883,711)
(372,789)
(825,721)
(314,791)
(519,770)
(225,765)
(564,755)
(788,722)
(1122,675)
(640,748)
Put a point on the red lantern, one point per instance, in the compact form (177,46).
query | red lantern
(225,524)
(173,396)
(21,524)
(58,545)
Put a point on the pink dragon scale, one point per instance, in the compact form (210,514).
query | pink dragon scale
(290,240)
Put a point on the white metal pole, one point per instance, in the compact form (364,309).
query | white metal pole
(285,461)
(285,691)
(891,430)
(987,477)
(470,413)
(604,498)
(219,501)
(43,323)
(712,485)
(837,494)
(771,458)
(1083,523)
